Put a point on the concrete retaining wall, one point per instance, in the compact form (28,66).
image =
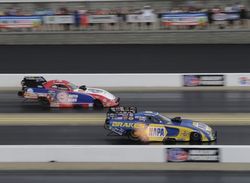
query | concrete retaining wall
(123,37)
(127,80)
(119,153)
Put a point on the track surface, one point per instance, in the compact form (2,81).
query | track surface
(125,59)
(174,101)
(127,176)
(97,135)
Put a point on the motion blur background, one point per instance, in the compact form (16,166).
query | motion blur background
(123,15)
(93,16)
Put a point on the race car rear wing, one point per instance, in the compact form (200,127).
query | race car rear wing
(121,112)
(32,82)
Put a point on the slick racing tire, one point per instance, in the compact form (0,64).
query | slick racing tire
(133,136)
(20,93)
(195,137)
(98,104)
(44,101)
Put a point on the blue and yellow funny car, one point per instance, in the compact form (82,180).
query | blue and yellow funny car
(152,126)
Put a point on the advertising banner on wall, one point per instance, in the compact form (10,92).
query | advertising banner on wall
(242,80)
(224,16)
(203,80)
(59,19)
(193,155)
(100,19)
(141,18)
(20,21)
(171,19)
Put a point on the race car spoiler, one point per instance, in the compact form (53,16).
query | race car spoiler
(32,82)
(115,112)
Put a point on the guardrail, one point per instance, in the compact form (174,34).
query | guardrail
(140,80)
(123,154)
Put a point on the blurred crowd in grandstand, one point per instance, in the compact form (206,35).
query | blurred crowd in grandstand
(146,18)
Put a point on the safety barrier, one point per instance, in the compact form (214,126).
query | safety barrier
(218,80)
(102,80)
(124,154)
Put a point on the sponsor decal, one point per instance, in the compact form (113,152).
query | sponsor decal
(200,125)
(185,134)
(30,90)
(128,125)
(193,155)
(156,132)
(244,81)
(119,131)
(63,97)
(203,80)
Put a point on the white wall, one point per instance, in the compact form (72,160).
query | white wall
(108,153)
(238,79)
(59,153)
(235,154)
(102,80)
(126,80)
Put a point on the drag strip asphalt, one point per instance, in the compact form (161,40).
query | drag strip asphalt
(162,58)
(160,101)
(78,129)
(125,177)
(97,135)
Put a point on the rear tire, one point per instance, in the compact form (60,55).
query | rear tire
(44,101)
(20,94)
(195,137)
(98,104)
(133,136)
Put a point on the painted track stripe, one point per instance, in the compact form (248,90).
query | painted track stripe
(98,119)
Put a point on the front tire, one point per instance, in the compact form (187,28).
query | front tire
(195,137)
(98,104)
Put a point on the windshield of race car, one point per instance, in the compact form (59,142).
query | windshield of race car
(73,86)
(164,120)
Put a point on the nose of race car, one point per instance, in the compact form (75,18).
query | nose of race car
(209,133)
(115,102)
(213,135)
(112,103)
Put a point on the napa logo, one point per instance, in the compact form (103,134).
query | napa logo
(156,132)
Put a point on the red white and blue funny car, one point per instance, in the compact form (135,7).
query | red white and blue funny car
(62,93)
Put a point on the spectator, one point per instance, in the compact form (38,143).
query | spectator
(64,11)
(77,18)
(243,16)
(228,10)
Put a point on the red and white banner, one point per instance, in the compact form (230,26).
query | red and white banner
(173,19)
(20,21)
